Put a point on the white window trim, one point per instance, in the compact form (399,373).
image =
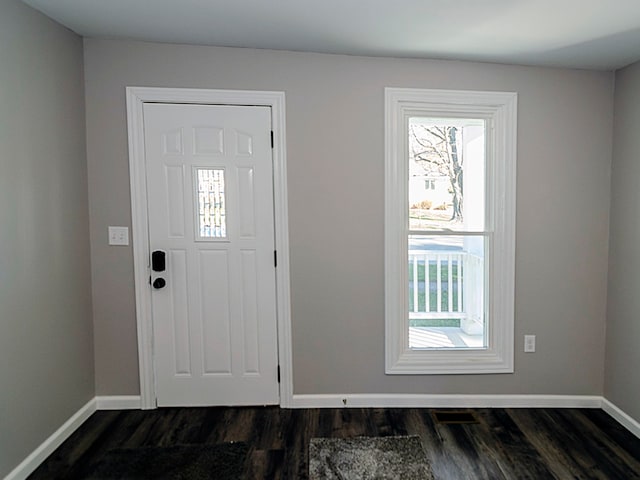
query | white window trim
(500,109)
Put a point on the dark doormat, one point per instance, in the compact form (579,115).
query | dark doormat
(365,458)
(178,462)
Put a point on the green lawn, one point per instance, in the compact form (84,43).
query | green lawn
(436,322)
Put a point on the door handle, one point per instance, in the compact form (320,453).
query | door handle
(159,283)
(158,261)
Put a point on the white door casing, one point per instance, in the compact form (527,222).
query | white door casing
(229,373)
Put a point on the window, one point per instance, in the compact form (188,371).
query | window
(449,231)
(430,184)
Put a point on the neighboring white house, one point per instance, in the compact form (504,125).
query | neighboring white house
(427,187)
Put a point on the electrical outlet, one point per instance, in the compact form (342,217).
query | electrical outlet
(529,343)
(118,235)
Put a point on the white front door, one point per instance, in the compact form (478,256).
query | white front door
(210,204)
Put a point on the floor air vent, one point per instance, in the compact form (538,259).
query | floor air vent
(453,416)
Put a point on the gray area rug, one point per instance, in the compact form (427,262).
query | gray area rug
(365,458)
(179,462)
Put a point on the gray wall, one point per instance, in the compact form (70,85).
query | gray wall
(335,166)
(46,351)
(622,382)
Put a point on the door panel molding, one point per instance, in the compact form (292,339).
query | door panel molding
(136,98)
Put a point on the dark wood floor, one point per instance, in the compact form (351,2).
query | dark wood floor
(504,444)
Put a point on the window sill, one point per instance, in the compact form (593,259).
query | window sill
(453,361)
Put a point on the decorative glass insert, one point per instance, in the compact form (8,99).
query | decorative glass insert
(212,214)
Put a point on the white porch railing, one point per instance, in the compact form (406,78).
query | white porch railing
(438,287)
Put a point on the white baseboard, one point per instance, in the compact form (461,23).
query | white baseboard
(444,401)
(118,402)
(625,420)
(47,447)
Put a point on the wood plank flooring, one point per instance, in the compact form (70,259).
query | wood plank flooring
(504,444)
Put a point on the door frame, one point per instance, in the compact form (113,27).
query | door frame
(136,98)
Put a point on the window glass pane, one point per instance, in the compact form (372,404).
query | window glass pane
(446,292)
(212,221)
(446,174)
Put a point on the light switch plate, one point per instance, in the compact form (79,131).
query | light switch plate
(118,235)
(529,343)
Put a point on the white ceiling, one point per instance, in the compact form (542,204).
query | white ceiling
(594,34)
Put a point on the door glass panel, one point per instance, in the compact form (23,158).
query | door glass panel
(211,211)
(446,292)
(446,174)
